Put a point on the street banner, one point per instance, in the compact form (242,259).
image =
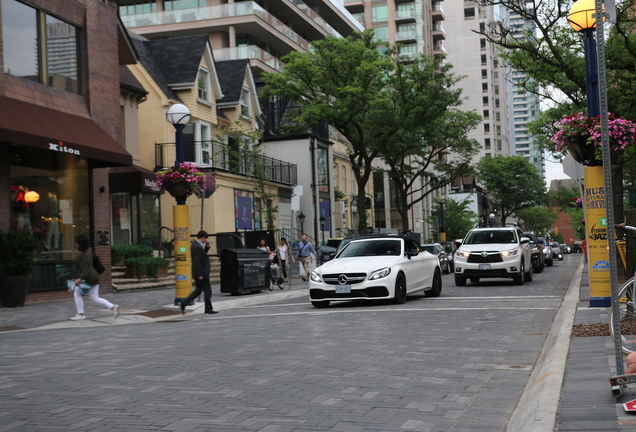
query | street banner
(182,261)
(596,236)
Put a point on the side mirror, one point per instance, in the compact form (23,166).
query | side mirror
(411,253)
(458,243)
(524,240)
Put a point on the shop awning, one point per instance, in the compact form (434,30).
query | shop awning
(132,179)
(37,126)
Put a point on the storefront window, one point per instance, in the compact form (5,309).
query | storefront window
(149,220)
(50,196)
(121,218)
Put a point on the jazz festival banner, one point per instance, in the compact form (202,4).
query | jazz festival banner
(182,261)
(596,235)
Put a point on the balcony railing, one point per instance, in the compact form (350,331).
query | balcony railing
(405,35)
(404,14)
(210,13)
(215,156)
(315,17)
(251,52)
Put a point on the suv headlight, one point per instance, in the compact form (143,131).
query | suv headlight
(511,252)
(379,274)
(315,277)
(462,254)
(546,251)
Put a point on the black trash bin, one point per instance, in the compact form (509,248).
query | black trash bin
(244,270)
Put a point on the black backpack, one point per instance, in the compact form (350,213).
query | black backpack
(98,266)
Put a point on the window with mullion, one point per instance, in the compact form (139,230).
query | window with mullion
(49,54)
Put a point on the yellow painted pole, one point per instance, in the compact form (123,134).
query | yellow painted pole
(182,265)
(594,200)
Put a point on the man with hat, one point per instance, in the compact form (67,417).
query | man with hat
(200,273)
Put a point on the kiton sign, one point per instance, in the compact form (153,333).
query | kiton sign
(60,147)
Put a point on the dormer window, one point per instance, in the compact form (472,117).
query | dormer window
(245,103)
(203,85)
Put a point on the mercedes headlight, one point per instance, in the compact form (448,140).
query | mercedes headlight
(379,274)
(315,277)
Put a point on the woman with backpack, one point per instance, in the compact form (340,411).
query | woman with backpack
(87,280)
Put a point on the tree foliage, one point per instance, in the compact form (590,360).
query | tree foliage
(512,182)
(381,106)
(538,219)
(459,219)
(423,96)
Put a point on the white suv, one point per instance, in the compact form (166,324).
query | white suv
(493,253)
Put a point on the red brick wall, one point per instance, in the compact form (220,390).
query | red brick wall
(100,102)
(101,222)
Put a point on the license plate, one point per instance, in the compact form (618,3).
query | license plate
(484,266)
(343,289)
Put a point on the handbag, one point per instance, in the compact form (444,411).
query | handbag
(98,266)
(70,284)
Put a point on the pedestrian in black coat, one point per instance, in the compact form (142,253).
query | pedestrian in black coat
(200,273)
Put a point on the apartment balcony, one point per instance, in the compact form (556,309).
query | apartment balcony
(257,57)
(359,17)
(406,36)
(438,31)
(210,18)
(404,15)
(438,12)
(214,156)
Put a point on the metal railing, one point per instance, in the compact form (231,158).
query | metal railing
(232,10)
(211,155)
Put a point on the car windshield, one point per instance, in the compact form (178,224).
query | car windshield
(430,249)
(372,248)
(494,236)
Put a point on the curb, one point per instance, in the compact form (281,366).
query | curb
(192,311)
(536,410)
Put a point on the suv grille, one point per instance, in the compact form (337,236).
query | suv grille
(479,258)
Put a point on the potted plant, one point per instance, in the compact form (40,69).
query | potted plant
(121,253)
(16,263)
(181,181)
(581,137)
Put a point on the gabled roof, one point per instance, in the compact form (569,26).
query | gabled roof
(129,82)
(179,58)
(174,63)
(147,60)
(231,75)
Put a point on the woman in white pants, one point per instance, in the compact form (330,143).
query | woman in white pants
(87,274)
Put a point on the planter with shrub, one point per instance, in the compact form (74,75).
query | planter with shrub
(146,267)
(16,264)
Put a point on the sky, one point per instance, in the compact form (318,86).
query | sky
(554,171)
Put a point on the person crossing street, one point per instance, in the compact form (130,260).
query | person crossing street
(305,255)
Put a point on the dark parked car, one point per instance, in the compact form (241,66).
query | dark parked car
(538,258)
(576,248)
(439,251)
(547,251)
(450,248)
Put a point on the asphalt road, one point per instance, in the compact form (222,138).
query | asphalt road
(454,363)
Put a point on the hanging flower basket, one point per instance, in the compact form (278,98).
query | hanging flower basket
(583,152)
(581,137)
(181,181)
(179,191)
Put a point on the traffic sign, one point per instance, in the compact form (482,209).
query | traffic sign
(630,406)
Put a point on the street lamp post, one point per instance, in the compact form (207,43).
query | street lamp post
(178,115)
(322,228)
(301,218)
(588,16)
(442,227)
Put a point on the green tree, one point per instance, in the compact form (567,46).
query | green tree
(382,106)
(512,183)
(422,95)
(340,81)
(551,54)
(458,218)
(538,219)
